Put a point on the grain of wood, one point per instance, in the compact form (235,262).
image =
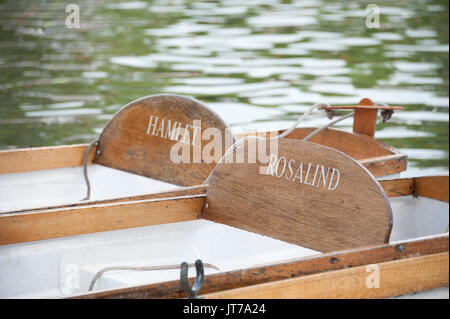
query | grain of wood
(435,187)
(393,188)
(184,191)
(396,278)
(365,120)
(129,142)
(398,187)
(358,146)
(294,268)
(24,227)
(356,213)
(40,158)
(378,158)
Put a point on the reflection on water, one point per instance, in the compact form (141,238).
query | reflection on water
(258,63)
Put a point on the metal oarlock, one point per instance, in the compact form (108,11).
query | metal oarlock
(200,277)
(385,114)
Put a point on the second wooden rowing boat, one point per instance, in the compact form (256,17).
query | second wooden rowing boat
(131,159)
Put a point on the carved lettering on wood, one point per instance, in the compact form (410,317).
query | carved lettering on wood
(308,194)
(140,138)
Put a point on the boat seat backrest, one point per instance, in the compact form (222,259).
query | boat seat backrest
(303,193)
(140,137)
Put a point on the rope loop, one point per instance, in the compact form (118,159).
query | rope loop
(85,172)
(148,268)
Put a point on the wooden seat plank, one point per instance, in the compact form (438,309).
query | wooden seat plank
(314,197)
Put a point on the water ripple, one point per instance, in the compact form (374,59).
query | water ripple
(258,63)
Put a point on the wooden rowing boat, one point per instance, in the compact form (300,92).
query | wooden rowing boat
(131,160)
(291,236)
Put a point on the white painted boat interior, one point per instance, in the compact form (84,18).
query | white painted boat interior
(64,266)
(417,217)
(59,267)
(436,293)
(62,186)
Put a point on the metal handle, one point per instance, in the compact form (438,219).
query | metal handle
(200,277)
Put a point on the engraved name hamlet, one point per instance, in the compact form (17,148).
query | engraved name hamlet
(173,130)
(316,175)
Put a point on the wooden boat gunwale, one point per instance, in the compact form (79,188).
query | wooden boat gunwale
(426,256)
(379,165)
(337,274)
(278,273)
(380,159)
(53,157)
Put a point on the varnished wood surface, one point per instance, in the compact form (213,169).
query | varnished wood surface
(354,107)
(130,143)
(184,191)
(63,217)
(380,159)
(386,165)
(356,213)
(365,119)
(434,187)
(396,278)
(40,158)
(358,146)
(283,270)
(23,227)
(398,187)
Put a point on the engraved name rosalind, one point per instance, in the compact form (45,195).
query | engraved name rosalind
(307,173)
(173,130)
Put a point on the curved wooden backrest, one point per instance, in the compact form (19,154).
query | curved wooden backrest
(140,137)
(307,194)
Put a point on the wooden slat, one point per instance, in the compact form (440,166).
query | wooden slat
(39,158)
(396,278)
(354,107)
(435,187)
(398,187)
(185,191)
(386,165)
(23,227)
(284,270)
(358,146)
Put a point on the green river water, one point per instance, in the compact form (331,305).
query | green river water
(258,63)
